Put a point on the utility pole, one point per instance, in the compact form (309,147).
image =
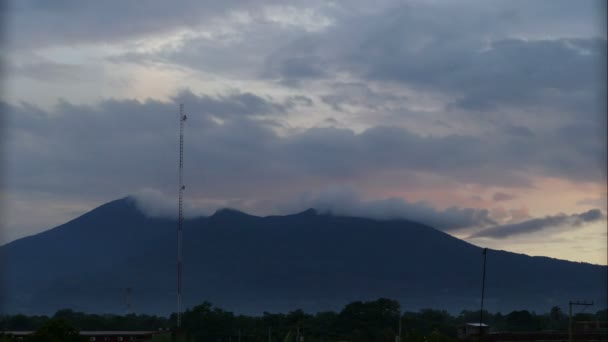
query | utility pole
(399,328)
(483,288)
(180,220)
(270,334)
(570,304)
(128,300)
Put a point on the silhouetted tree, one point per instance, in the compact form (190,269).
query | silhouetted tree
(370,321)
(522,321)
(56,330)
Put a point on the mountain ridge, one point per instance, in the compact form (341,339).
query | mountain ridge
(252,264)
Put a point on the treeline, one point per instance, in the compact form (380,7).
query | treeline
(372,321)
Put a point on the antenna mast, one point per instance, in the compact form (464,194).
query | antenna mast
(128,299)
(180,221)
(570,304)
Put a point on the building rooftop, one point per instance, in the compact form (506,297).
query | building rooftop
(94,332)
(477,324)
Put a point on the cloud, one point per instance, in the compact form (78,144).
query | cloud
(427,99)
(155,203)
(519,214)
(124,145)
(344,201)
(233,47)
(541,224)
(235,147)
(590,216)
(40,22)
(35,23)
(500,196)
(233,104)
(597,202)
(477,61)
(360,95)
(49,71)
(518,130)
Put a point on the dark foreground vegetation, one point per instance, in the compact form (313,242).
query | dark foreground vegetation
(373,321)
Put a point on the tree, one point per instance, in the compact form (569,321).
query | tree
(522,321)
(556,313)
(436,321)
(602,315)
(555,320)
(370,321)
(206,323)
(57,330)
(437,336)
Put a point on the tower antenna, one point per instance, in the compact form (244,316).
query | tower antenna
(483,290)
(128,299)
(180,220)
(570,304)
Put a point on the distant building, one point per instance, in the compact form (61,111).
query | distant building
(471,331)
(544,336)
(584,331)
(591,326)
(99,336)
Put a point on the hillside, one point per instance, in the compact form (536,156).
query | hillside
(253,264)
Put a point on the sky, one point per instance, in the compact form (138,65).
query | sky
(484,119)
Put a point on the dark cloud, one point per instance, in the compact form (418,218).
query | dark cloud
(500,196)
(234,150)
(57,72)
(120,145)
(37,23)
(415,46)
(360,95)
(541,224)
(520,131)
(235,104)
(237,50)
(302,67)
(299,100)
(591,215)
(537,71)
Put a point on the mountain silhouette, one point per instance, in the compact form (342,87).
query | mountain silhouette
(252,264)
